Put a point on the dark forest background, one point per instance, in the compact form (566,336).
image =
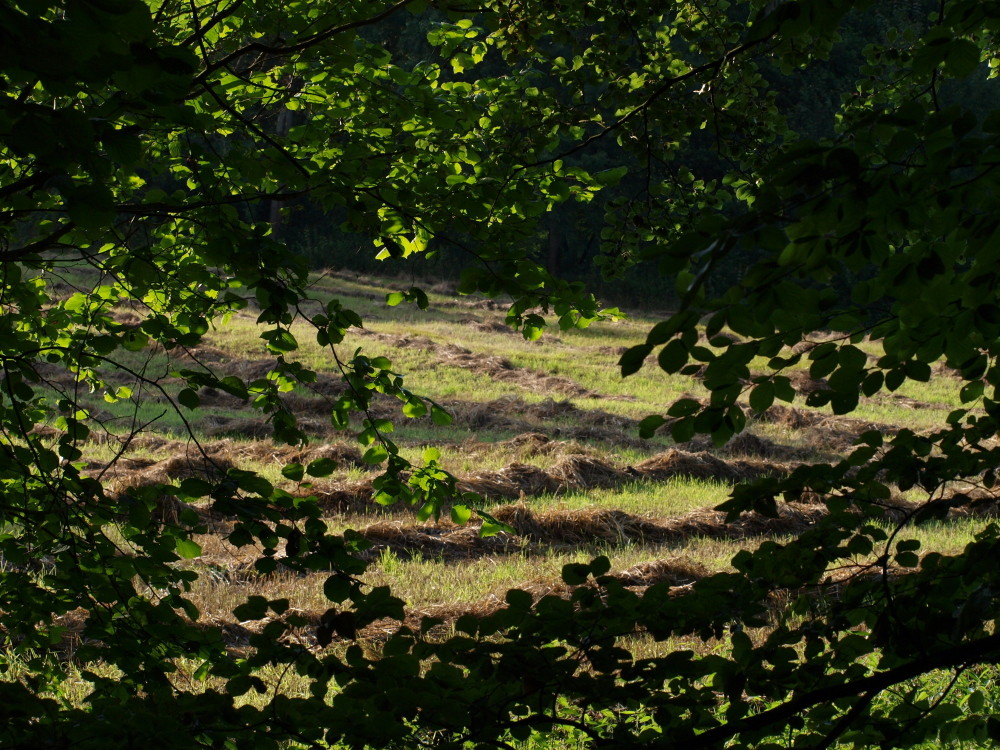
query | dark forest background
(570,242)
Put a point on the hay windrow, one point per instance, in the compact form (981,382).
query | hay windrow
(972,502)
(491,365)
(675,571)
(704,465)
(502,369)
(512,482)
(438,619)
(574,472)
(804,384)
(532,443)
(349,497)
(558,419)
(537,532)
(489,326)
(750,446)
(789,416)
(444,542)
(582,527)
(212,459)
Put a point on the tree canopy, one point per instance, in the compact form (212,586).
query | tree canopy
(159,144)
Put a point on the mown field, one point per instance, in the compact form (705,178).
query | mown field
(546,432)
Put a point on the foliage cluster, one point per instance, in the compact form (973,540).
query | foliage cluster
(156,142)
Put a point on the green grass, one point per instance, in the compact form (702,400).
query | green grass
(476,444)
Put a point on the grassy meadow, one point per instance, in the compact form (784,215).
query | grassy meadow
(545,431)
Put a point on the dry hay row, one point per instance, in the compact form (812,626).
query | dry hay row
(678,574)
(211,460)
(582,472)
(559,419)
(491,365)
(571,473)
(817,431)
(540,531)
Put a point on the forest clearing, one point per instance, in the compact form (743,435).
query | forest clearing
(545,433)
(443,496)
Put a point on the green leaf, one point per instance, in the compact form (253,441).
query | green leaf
(320,467)
(460,514)
(872,383)
(907,559)
(920,371)
(187,549)
(783,388)
(632,360)
(337,588)
(649,425)
(439,416)
(575,574)
(684,407)
(414,408)
(134,340)
(610,177)
(673,356)
(683,429)
(962,58)
(252,482)
(375,455)
(600,565)
(192,487)
(972,391)
(762,396)
(254,608)
(189,398)
(294,471)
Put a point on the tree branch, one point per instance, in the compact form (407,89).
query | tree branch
(300,46)
(980,651)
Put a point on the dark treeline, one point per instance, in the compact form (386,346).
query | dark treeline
(588,242)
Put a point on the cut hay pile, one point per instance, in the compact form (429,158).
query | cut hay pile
(211,465)
(580,527)
(675,571)
(789,416)
(574,472)
(215,459)
(704,465)
(750,445)
(587,472)
(348,497)
(588,528)
(511,482)
(558,419)
(581,472)
(532,444)
(445,542)
(501,368)
(805,385)
(973,502)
